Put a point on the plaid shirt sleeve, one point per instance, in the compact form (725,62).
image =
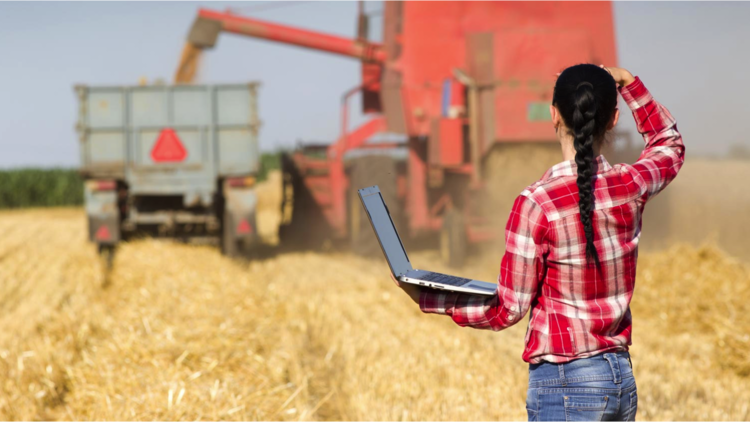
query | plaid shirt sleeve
(664,153)
(520,273)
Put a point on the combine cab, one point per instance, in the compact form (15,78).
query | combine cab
(176,161)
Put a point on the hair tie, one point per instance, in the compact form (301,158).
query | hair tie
(585,83)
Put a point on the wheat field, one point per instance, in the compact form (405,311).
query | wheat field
(181,332)
(177,331)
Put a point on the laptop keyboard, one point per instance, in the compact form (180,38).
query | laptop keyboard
(450,280)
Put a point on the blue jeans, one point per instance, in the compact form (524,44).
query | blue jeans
(598,388)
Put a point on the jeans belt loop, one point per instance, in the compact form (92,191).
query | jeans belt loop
(614,363)
(561,371)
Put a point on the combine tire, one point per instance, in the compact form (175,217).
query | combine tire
(453,241)
(367,171)
(304,226)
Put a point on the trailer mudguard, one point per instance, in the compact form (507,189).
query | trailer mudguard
(103,214)
(239,212)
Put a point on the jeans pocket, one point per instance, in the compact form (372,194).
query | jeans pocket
(531,405)
(585,408)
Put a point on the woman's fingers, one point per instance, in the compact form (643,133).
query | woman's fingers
(410,289)
(395,280)
(413,291)
(622,76)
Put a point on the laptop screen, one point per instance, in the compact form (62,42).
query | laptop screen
(381,221)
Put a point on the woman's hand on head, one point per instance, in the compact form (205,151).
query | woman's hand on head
(412,290)
(621,76)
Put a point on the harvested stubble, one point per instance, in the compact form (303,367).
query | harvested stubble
(183,333)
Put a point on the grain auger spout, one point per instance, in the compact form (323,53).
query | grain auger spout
(208,24)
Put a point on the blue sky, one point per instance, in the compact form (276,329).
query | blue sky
(693,57)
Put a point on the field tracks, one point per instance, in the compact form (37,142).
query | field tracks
(184,333)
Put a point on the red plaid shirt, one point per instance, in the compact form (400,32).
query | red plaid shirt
(576,310)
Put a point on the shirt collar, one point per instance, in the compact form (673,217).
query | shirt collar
(569,168)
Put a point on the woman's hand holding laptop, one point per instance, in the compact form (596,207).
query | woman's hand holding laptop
(411,289)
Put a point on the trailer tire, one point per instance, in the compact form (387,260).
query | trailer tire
(453,241)
(106,253)
(367,171)
(229,244)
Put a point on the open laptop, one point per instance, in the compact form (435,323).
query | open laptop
(395,254)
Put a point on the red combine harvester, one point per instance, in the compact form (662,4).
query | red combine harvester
(458,80)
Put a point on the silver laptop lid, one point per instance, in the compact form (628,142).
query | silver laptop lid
(385,230)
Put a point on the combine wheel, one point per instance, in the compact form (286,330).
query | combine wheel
(368,171)
(303,225)
(453,243)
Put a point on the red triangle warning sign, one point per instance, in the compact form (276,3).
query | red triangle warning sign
(103,233)
(168,147)
(244,227)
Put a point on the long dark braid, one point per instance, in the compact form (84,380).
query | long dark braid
(586,96)
(584,123)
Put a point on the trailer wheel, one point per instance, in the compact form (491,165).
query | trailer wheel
(107,257)
(229,244)
(453,242)
(368,171)
(107,253)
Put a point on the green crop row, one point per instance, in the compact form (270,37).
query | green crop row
(31,187)
(268,161)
